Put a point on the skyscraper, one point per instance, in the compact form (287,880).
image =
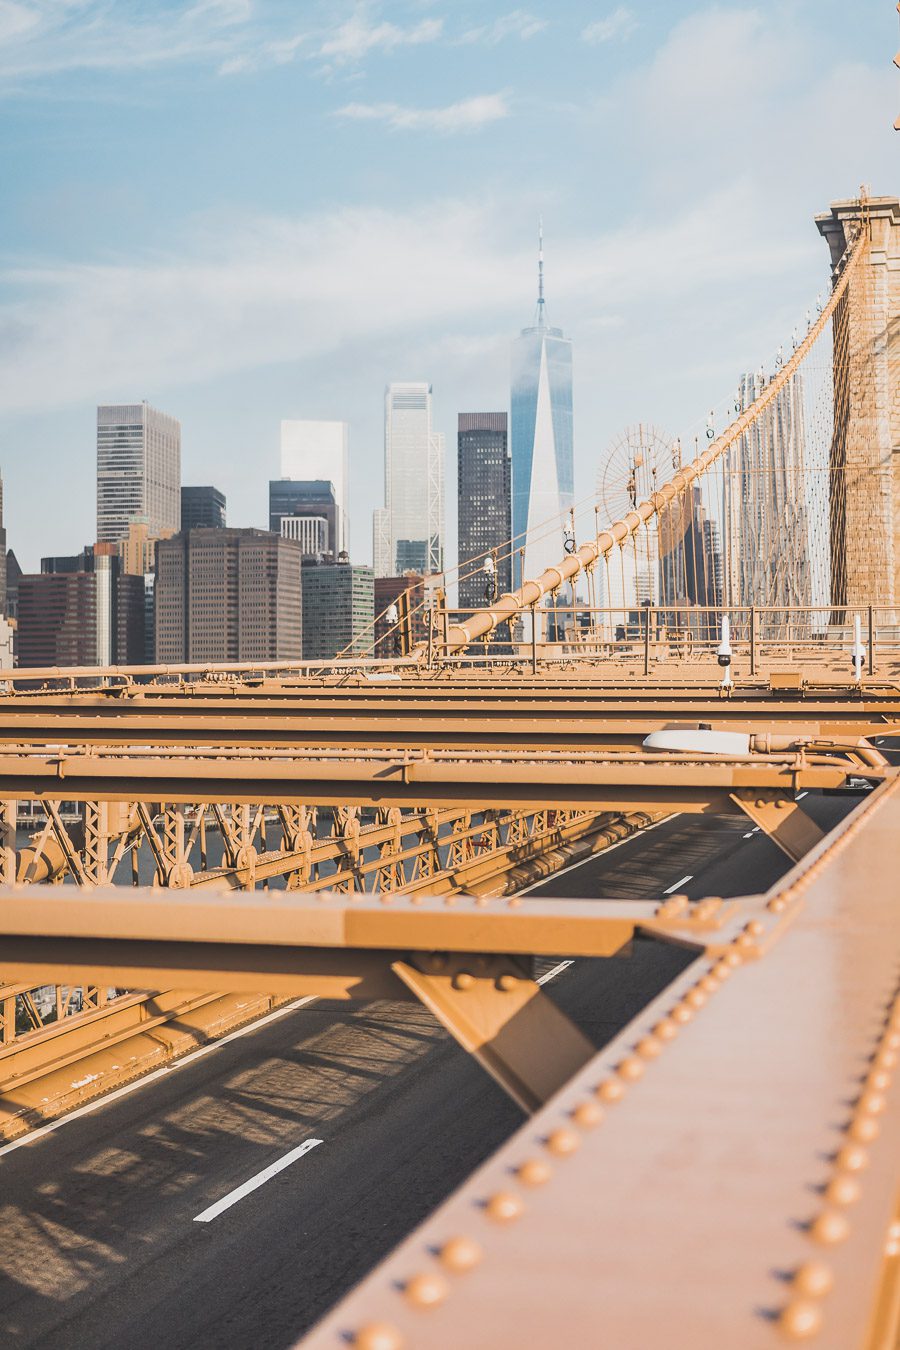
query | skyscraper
(82,610)
(409,529)
(138,470)
(543,466)
(483,479)
(202,508)
(306,510)
(228,595)
(338,610)
(315,450)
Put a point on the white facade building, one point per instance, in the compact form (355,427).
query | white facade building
(313,450)
(138,470)
(311,532)
(408,532)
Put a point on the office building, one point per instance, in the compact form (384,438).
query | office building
(483,482)
(316,450)
(13,572)
(408,594)
(338,609)
(202,508)
(138,470)
(408,530)
(81,610)
(542,442)
(228,595)
(307,511)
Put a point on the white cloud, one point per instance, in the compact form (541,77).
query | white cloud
(467,115)
(229,302)
(621,23)
(356,37)
(41,37)
(518,24)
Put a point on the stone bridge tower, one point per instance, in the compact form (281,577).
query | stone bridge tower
(864,492)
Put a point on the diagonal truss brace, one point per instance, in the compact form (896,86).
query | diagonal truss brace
(496,1011)
(782,819)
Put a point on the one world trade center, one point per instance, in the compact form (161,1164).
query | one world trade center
(543,489)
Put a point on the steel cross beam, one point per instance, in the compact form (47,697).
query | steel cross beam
(582,780)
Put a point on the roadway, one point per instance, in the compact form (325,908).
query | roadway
(99,1241)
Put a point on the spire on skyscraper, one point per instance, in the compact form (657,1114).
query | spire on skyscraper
(540,301)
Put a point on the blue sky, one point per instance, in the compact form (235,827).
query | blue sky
(243,210)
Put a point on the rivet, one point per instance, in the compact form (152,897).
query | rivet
(534,1172)
(681,1013)
(649,1047)
(630,1068)
(426,1291)
(777,905)
(755,928)
(709,984)
(851,1158)
(463,980)
(878,1080)
(507,983)
(863,1129)
(587,1115)
(813,1279)
(695,998)
(504,1207)
(800,1319)
(665,1029)
(886,1059)
(460,1254)
(744,941)
(872,1103)
(611,1090)
(378,1336)
(842,1190)
(562,1142)
(829,1227)
(733,958)
(892,1041)
(721,970)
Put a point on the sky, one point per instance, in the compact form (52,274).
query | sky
(249,210)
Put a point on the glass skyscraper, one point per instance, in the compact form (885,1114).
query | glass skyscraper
(542,443)
(408,530)
(138,470)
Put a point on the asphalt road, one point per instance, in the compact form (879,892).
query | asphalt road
(100,1246)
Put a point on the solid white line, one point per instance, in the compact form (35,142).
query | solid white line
(676,884)
(255,1182)
(157,1073)
(601,853)
(552,974)
(801,794)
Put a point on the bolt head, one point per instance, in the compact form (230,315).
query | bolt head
(463,980)
(829,1227)
(504,1207)
(534,1172)
(460,1254)
(426,1291)
(378,1336)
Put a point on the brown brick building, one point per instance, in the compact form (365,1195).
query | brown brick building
(81,611)
(228,595)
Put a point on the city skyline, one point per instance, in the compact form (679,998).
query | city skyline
(293,275)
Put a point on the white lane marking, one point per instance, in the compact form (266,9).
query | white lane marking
(552,974)
(676,884)
(601,853)
(255,1182)
(801,794)
(749,834)
(157,1073)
